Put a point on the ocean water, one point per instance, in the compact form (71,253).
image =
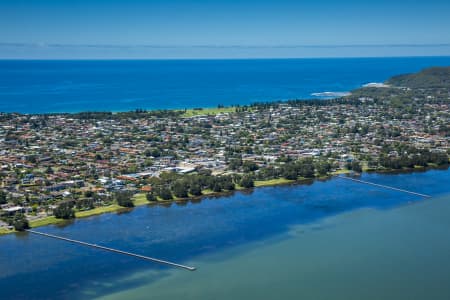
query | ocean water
(249,246)
(121,85)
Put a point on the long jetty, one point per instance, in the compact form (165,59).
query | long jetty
(385,187)
(160,261)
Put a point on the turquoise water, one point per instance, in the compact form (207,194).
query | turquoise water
(279,236)
(367,254)
(71,86)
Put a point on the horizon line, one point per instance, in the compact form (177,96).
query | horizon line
(218,46)
(213,58)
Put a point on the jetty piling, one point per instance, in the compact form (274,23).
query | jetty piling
(384,186)
(160,261)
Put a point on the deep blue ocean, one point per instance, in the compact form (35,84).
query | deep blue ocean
(28,86)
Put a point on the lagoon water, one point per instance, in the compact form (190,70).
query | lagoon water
(367,254)
(89,85)
(331,239)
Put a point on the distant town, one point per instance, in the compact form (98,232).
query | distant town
(55,167)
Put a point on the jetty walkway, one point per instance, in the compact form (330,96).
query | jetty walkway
(160,261)
(385,186)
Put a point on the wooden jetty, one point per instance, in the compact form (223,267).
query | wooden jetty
(160,261)
(385,186)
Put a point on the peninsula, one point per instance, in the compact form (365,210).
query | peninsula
(55,167)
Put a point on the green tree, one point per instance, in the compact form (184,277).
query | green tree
(195,189)
(249,166)
(89,194)
(235,163)
(20,222)
(49,170)
(64,211)
(356,166)
(3,198)
(227,183)
(124,199)
(247,182)
(165,193)
(217,188)
(180,189)
(306,169)
(323,167)
(290,172)
(87,203)
(150,197)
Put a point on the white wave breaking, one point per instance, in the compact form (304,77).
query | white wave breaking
(331,94)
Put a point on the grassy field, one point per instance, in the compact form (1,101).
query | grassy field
(278,181)
(5,231)
(207,111)
(339,172)
(140,199)
(45,221)
(97,211)
(207,192)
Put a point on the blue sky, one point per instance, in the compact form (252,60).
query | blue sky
(222,29)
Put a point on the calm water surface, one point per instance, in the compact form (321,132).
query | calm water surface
(398,254)
(246,241)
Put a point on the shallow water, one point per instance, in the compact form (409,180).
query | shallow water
(367,254)
(216,232)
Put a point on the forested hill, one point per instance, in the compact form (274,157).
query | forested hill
(435,77)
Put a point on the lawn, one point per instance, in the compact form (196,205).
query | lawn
(342,171)
(45,221)
(270,182)
(140,199)
(208,111)
(98,211)
(5,231)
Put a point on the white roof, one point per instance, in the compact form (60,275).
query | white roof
(13,209)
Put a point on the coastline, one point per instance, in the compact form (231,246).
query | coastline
(140,198)
(96,153)
(227,89)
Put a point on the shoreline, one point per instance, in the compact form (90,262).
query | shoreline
(139,199)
